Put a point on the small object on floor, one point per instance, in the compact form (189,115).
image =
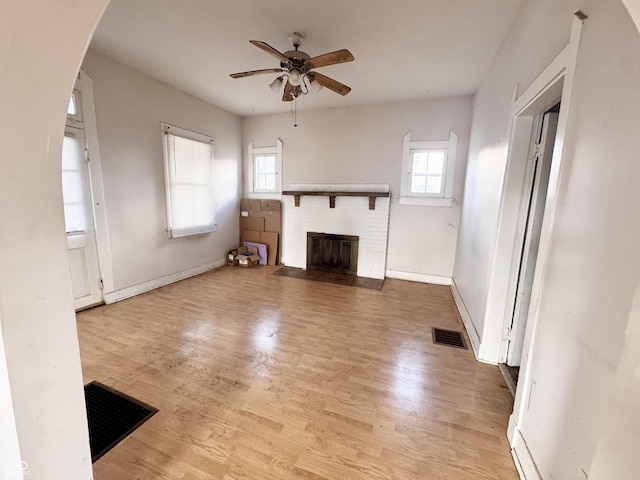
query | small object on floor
(112,416)
(449,338)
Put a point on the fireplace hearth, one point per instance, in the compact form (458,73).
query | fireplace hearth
(332,253)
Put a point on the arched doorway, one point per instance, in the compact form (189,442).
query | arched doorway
(43,44)
(41,396)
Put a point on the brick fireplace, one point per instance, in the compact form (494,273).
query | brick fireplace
(354,210)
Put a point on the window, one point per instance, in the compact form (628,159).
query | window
(428,170)
(189,182)
(266,166)
(74,110)
(73,192)
(264,172)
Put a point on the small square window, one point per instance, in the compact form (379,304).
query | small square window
(71,110)
(74,110)
(428,171)
(266,165)
(428,168)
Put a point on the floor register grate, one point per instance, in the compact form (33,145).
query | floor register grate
(112,416)
(449,338)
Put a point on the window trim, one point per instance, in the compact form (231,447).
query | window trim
(197,137)
(428,199)
(253,152)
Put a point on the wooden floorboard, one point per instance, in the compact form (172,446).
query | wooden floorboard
(259,376)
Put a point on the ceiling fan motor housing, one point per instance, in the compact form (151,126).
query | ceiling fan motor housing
(297,61)
(295,39)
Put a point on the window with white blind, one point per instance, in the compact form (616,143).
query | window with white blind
(189,182)
(73,191)
(428,171)
(266,168)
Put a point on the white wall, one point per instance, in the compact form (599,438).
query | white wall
(617,451)
(41,47)
(129,107)
(364,145)
(593,265)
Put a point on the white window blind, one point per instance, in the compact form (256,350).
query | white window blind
(73,161)
(189,182)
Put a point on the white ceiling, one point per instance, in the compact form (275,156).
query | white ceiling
(403,49)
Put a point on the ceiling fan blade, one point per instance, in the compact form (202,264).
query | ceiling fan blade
(339,56)
(330,83)
(269,49)
(256,72)
(287,96)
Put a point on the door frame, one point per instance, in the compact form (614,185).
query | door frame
(85,86)
(553,84)
(521,263)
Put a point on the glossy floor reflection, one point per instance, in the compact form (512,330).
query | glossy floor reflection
(260,376)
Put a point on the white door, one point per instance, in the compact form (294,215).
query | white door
(79,220)
(538,174)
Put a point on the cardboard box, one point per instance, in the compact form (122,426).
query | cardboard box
(231,257)
(271,205)
(250,236)
(245,260)
(247,204)
(270,239)
(272,221)
(252,223)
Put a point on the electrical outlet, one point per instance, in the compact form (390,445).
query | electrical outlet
(417,267)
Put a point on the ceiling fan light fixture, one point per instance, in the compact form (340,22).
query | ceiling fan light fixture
(295,78)
(315,86)
(276,85)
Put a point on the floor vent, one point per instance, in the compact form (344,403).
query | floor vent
(449,338)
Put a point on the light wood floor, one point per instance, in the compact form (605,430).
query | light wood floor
(259,376)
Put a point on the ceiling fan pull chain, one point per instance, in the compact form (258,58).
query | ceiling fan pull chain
(295,111)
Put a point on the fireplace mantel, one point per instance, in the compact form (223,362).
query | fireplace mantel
(332,196)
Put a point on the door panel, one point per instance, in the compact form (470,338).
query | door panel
(541,168)
(78,207)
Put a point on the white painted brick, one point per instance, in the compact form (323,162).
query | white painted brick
(351,216)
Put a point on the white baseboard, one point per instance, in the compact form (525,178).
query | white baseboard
(418,277)
(466,319)
(525,464)
(128,292)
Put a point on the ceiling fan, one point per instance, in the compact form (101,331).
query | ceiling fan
(298,67)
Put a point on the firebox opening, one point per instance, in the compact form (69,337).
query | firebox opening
(332,253)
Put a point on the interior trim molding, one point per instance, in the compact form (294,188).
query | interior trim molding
(466,319)
(522,457)
(418,277)
(134,290)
